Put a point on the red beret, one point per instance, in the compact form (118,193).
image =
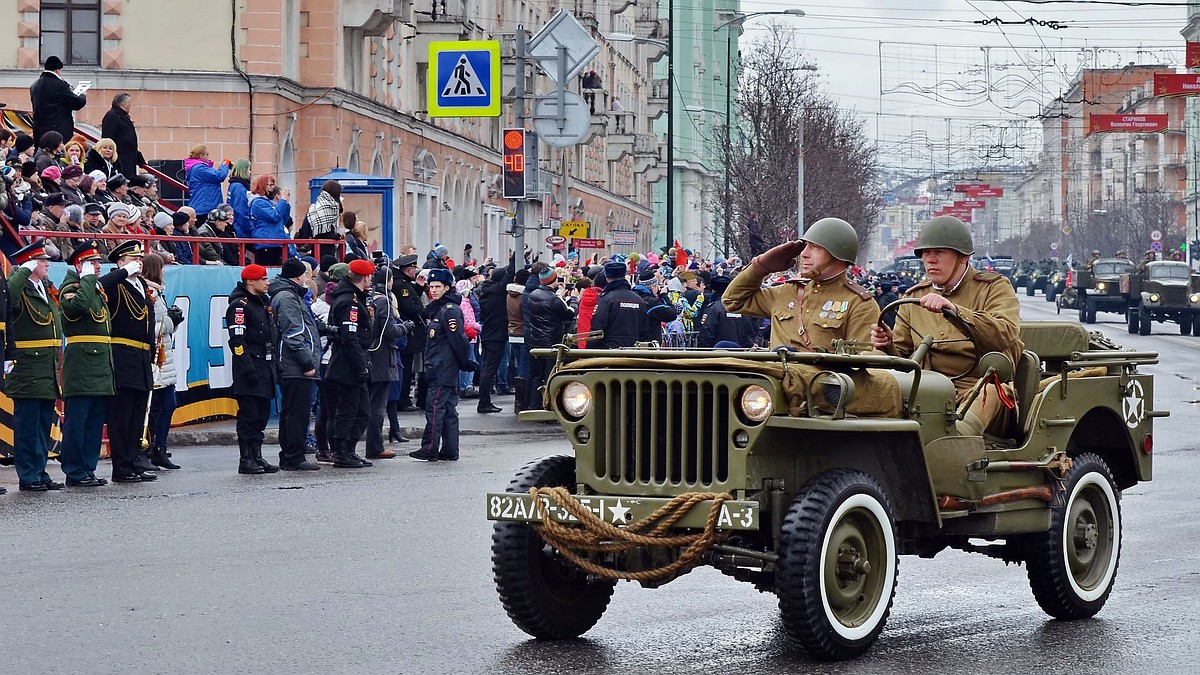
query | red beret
(254,273)
(362,267)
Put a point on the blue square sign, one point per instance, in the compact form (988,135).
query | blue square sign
(464,79)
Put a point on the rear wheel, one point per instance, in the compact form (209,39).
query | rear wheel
(837,565)
(543,593)
(1143,321)
(1073,565)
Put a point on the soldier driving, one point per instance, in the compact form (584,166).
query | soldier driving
(984,300)
(821,305)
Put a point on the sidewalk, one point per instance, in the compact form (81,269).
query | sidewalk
(471,423)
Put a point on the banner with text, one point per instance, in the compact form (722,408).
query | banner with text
(1102,123)
(1176,84)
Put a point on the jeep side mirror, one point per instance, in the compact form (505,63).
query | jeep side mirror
(1000,362)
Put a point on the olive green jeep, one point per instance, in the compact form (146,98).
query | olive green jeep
(808,474)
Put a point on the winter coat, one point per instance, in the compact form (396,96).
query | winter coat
(299,339)
(657,313)
(350,316)
(619,313)
(163,365)
(252,341)
(446,350)
(239,201)
(433,262)
(470,323)
(35,332)
(118,126)
(546,317)
(493,306)
(209,252)
(53,104)
(132,316)
(204,184)
(268,220)
(516,320)
(587,309)
(717,324)
(385,330)
(94,162)
(322,214)
(357,247)
(408,294)
(87,368)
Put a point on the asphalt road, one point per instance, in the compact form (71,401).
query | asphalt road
(386,570)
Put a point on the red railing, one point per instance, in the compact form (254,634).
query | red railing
(320,246)
(160,176)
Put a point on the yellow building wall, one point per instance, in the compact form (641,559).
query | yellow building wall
(154,38)
(9,41)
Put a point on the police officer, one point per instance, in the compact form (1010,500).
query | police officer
(809,312)
(33,384)
(131,313)
(718,325)
(984,300)
(252,341)
(87,369)
(348,372)
(618,311)
(408,292)
(446,353)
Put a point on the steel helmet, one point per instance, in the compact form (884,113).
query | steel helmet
(834,235)
(945,232)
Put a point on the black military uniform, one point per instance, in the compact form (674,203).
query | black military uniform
(408,301)
(657,310)
(446,353)
(252,341)
(717,324)
(618,311)
(132,342)
(347,376)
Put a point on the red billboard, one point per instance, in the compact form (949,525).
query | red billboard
(1176,84)
(588,243)
(1102,122)
(970,203)
(1193,55)
(986,192)
(970,187)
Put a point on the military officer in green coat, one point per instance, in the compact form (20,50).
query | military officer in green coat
(87,369)
(33,382)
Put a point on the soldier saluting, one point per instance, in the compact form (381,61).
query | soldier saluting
(33,383)
(809,312)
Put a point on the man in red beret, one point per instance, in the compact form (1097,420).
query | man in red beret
(347,375)
(252,341)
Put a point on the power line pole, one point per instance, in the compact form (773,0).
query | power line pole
(518,205)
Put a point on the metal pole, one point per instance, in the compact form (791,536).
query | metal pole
(564,195)
(800,180)
(728,128)
(518,205)
(671,124)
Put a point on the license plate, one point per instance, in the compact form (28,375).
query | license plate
(511,506)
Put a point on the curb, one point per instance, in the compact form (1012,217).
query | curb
(193,437)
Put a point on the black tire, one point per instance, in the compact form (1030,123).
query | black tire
(837,618)
(1143,321)
(1131,315)
(1051,292)
(1029,289)
(544,594)
(1090,311)
(1185,324)
(1073,565)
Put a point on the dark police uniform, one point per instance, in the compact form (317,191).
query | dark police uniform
(33,383)
(718,324)
(252,341)
(132,322)
(619,314)
(87,369)
(408,301)
(347,375)
(446,353)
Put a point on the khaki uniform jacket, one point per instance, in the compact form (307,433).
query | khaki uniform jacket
(986,301)
(806,315)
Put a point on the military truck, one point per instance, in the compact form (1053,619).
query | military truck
(1038,276)
(808,474)
(1022,275)
(1099,289)
(909,269)
(1165,290)
(1053,283)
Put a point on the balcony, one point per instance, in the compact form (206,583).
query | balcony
(374,17)
(648,24)
(656,101)
(646,153)
(439,24)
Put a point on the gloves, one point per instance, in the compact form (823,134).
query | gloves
(781,257)
(408,327)
(175,314)
(30,265)
(132,268)
(8,366)
(470,366)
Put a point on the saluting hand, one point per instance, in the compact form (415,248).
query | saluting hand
(132,268)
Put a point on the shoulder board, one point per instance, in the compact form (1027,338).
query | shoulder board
(988,277)
(241,301)
(919,287)
(857,290)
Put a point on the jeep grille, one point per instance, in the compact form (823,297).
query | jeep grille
(665,433)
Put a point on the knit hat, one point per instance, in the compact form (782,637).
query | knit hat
(73,171)
(99,175)
(338,271)
(23,143)
(292,269)
(179,218)
(462,286)
(162,220)
(327,261)
(440,251)
(647,275)
(548,276)
(254,273)
(52,172)
(362,267)
(53,63)
(116,208)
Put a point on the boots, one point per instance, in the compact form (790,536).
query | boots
(519,401)
(248,464)
(266,466)
(343,455)
(160,458)
(397,436)
(141,463)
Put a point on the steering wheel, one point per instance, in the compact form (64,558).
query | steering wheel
(951,316)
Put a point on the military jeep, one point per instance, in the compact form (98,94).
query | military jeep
(1163,291)
(1099,289)
(808,474)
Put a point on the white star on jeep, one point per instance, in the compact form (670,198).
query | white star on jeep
(1133,406)
(618,512)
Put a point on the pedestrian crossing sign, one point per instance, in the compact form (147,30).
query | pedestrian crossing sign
(464,79)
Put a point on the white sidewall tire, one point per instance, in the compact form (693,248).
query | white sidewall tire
(872,505)
(1099,480)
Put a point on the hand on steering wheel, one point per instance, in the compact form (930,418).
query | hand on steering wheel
(881,335)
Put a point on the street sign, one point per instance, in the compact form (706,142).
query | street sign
(464,79)
(1156,235)
(1053,254)
(1156,247)
(574,229)
(589,243)
(556,239)
(1054,246)
(1065,229)
(970,187)
(566,31)
(624,238)
(577,120)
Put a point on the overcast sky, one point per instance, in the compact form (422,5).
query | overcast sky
(946,75)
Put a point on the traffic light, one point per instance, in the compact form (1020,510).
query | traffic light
(514,163)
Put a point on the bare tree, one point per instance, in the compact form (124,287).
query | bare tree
(841,174)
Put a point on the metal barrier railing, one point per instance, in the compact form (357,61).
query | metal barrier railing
(320,246)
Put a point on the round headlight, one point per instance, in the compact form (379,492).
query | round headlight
(756,403)
(1194,297)
(1154,297)
(1100,286)
(576,399)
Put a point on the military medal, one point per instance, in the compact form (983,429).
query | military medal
(792,305)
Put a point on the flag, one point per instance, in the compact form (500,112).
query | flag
(991,263)
(681,257)
(1069,261)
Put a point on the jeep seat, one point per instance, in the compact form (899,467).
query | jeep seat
(1053,341)
(1027,379)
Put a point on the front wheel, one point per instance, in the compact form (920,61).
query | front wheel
(1073,565)
(543,593)
(1185,324)
(1131,315)
(1029,289)
(837,565)
(1143,321)
(1051,292)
